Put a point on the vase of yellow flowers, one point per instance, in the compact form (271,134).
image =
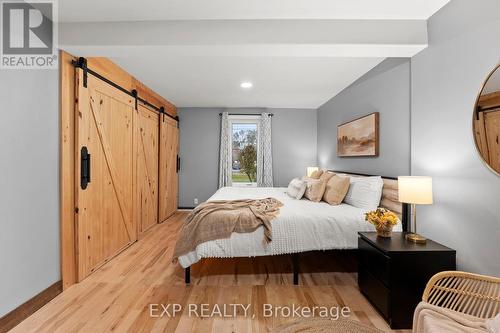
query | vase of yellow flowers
(383,220)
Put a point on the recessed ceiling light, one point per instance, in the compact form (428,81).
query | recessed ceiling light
(246,85)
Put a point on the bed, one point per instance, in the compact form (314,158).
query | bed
(302,226)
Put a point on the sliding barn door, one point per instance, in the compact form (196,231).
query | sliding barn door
(169,142)
(105,169)
(146,143)
(492,126)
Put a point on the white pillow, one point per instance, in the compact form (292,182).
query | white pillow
(296,188)
(365,192)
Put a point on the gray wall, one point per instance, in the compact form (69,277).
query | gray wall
(439,86)
(446,77)
(29,240)
(294,148)
(385,89)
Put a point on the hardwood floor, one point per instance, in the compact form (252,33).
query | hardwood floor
(118,296)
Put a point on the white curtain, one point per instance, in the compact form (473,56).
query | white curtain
(265,153)
(225,168)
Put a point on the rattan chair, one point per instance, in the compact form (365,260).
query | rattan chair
(472,294)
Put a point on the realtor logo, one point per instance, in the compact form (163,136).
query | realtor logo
(29,34)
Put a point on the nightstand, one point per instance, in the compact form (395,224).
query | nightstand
(393,273)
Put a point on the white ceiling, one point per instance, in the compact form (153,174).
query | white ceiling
(493,83)
(149,10)
(215,81)
(197,52)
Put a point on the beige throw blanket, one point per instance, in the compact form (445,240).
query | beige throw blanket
(219,219)
(429,318)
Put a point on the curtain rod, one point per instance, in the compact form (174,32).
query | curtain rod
(246,114)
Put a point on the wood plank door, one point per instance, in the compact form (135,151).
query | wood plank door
(169,143)
(492,126)
(480,136)
(147,156)
(104,130)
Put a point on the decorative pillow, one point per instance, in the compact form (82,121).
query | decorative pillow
(336,189)
(315,189)
(364,192)
(296,188)
(316,174)
(326,176)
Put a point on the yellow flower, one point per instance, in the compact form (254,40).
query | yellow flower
(381,216)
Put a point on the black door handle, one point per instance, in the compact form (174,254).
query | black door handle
(178,164)
(84,167)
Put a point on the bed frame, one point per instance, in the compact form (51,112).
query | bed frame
(389,200)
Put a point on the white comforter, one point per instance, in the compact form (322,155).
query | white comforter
(302,225)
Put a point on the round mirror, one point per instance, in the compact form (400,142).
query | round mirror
(487,121)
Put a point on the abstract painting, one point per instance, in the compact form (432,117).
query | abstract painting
(358,137)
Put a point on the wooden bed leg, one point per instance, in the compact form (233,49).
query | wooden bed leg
(295,264)
(187,275)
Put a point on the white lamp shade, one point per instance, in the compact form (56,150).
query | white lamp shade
(310,170)
(415,189)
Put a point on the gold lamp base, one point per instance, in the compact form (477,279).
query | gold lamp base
(415,238)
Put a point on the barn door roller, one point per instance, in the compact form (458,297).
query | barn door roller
(82,63)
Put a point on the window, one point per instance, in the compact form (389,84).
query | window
(244,139)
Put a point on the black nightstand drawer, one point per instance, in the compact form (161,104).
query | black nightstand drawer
(393,272)
(374,261)
(375,291)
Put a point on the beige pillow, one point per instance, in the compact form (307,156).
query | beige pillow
(326,176)
(316,174)
(315,189)
(336,189)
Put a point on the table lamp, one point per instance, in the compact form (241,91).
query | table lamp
(310,170)
(415,190)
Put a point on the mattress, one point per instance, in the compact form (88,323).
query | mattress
(301,226)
